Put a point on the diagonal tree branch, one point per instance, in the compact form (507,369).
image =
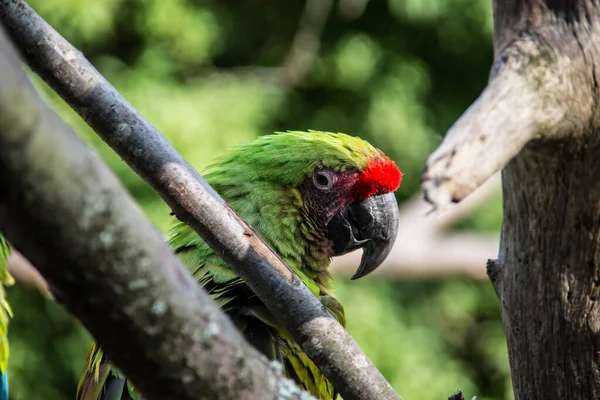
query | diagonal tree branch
(306,43)
(66,70)
(109,266)
(303,51)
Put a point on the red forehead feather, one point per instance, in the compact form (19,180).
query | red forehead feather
(380,176)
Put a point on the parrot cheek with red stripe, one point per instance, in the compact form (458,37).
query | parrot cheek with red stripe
(357,210)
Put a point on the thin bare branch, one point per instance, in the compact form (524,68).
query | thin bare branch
(352,9)
(302,53)
(306,43)
(473,150)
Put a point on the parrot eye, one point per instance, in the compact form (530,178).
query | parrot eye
(324,180)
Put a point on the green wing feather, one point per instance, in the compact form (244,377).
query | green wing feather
(101,380)
(95,374)
(5,311)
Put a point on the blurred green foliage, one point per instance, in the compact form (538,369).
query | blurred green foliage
(398,74)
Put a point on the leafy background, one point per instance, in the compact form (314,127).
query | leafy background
(206,73)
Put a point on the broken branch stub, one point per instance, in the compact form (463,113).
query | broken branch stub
(529,96)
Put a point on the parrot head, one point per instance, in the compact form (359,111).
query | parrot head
(356,206)
(327,193)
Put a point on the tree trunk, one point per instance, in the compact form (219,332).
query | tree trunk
(548,281)
(538,118)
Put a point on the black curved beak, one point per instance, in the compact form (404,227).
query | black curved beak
(371,224)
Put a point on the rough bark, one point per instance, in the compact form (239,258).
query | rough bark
(538,118)
(191,198)
(109,266)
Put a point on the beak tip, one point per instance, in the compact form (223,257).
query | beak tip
(374,254)
(375,222)
(363,268)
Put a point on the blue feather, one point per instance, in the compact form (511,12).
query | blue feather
(4,386)
(114,389)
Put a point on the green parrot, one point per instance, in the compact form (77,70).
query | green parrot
(310,195)
(5,314)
